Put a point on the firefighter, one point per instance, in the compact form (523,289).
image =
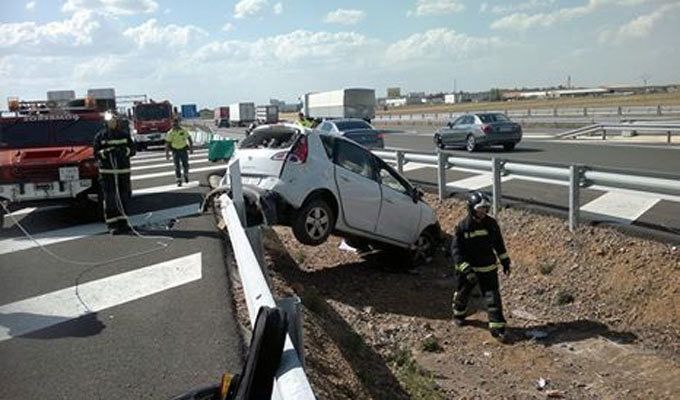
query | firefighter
(476,246)
(178,140)
(113,148)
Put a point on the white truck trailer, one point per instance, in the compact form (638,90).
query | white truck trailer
(241,114)
(343,103)
(268,114)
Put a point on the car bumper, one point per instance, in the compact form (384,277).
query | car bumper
(498,139)
(150,138)
(23,192)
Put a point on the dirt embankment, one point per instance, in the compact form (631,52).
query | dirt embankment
(593,315)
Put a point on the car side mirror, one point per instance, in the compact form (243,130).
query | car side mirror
(450,124)
(417,194)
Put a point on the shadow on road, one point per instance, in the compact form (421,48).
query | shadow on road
(50,327)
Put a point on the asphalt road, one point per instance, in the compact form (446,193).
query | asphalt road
(153,324)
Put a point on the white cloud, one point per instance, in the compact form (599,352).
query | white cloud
(440,45)
(278,8)
(250,8)
(437,7)
(640,27)
(74,32)
(345,17)
(30,6)
(228,27)
(523,21)
(114,7)
(483,7)
(526,6)
(151,33)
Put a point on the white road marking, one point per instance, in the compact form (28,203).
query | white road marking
(165,188)
(140,156)
(172,173)
(475,182)
(29,210)
(77,232)
(136,168)
(29,315)
(162,158)
(621,207)
(410,166)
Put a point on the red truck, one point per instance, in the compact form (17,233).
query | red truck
(222,117)
(46,154)
(151,122)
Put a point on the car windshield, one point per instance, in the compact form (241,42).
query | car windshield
(267,138)
(348,125)
(148,112)
(24,134)
(489,118)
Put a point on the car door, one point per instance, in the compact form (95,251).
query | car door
(359,191)
(399,214)
(462,129)
(448,132)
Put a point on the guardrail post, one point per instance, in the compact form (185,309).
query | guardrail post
(441,175)
(604,134)
(400,161)
(529,112)
(506,112)
(658,109)
(237,190)
(585,111)
(554,111)
(574,196)
(496,167)
(291,307)
(619,111)
(668,137)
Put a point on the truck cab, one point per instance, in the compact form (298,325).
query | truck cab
(46,155)
(151,123)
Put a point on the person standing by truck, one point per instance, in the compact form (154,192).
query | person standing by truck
(303,121)
(113,148)
(178,140)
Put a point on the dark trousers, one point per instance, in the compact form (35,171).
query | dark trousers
(488,284)
(112,215)
(181,156)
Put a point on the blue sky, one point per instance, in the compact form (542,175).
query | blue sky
(215,52)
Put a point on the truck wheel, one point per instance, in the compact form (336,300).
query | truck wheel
(314,222)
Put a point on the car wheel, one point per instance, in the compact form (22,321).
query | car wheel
(314,222)
(423,250)
(509,146)
(471,143)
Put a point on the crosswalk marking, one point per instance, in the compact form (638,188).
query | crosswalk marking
(29,315)
(162,158)
(29,210)
(140,156)
(80,231)
(622,207)
(166,164)
(172,173)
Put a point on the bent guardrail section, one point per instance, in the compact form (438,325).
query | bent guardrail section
(291,382)
(636,128)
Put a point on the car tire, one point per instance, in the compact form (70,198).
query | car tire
(314,222)
(424,249)
(470,143)
(509,146)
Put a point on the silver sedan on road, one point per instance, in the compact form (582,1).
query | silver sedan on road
(473,131)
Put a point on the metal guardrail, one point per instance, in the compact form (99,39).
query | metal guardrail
(576,176)
(290,383)
(657,110)
(633,128)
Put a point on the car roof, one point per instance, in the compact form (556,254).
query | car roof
(345,120)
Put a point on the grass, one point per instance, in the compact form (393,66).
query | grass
(418,382)
(654,99)
(547,268)
(431,344)
(300,256)
(563,298)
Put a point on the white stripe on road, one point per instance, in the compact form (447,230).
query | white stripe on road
(141,156)
(164,188)
(165,165)
(162,158)
(475,182)
(77,232)
(29,210)
(172,173)
(620,207)
(29,315)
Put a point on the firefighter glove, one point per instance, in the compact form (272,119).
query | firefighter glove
(506,266)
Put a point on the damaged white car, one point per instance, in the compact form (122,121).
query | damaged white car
(320,183)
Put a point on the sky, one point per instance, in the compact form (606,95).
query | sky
(214,52)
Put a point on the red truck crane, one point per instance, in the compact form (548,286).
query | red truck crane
(151,122)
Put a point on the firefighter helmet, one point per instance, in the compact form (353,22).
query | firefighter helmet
(477,199)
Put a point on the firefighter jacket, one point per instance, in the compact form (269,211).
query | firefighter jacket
(477,245)
(113,149)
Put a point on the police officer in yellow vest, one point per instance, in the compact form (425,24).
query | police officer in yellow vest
(113,148)
(178,140)
(303,121)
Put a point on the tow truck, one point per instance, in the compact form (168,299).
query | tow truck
(151,122)
(46,153)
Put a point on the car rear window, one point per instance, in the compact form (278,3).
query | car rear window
(269,139)
(347,125)
(489,118)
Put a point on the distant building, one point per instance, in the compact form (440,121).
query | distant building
(452,98)
(393,92)
(396,102)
